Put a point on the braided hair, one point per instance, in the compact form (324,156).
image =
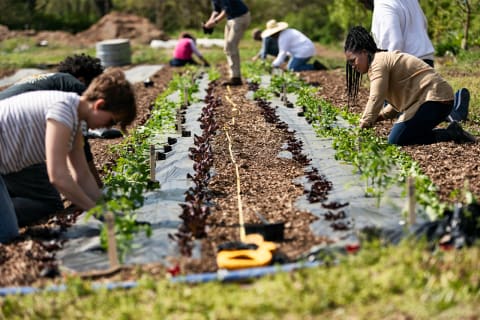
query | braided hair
(358,39)
(81,65)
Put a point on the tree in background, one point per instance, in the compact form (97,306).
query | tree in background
(103,6)
(452,25)
(349,13)
(467,7)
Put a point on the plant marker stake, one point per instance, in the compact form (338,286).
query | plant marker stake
(112,242)
(152,162)
(411,201)
(179,122)
(185,95)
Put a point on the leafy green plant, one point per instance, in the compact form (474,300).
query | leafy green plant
(129,178)
(379,164)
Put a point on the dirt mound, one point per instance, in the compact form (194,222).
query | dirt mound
(121,25)
(111,26)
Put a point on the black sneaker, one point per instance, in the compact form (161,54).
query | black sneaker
(460,106)
(317,65)
(459,135)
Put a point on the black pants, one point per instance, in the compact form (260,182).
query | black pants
(32,194)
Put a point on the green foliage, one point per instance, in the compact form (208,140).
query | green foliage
(377,283)
(314,21)
(349,13)
(379,164)
(128,181)
(446,21)
(325,21)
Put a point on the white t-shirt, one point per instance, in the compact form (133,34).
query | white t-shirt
(23,122)
(293,43)
(401,25)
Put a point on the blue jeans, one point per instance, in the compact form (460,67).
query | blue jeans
(299,64)
(8,219)
(420,129)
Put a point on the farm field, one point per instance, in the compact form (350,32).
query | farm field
(404,282)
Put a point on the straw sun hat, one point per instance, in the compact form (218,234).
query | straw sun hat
(273,27)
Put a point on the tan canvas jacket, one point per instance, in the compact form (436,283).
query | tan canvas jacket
(406,82)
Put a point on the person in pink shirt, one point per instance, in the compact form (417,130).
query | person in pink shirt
(184,51)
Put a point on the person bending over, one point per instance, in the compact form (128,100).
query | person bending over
(411,87)
(402,25)
(74,74)
(41,127)
(238,20)
(184,51)
(269,45)
(293,43)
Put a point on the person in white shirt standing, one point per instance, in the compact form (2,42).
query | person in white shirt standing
(402,25)
(293,43)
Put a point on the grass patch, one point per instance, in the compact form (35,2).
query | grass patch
(378,283)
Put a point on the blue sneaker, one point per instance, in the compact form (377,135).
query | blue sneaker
(460,105)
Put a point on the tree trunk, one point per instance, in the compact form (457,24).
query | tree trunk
(466,26)
(103,6)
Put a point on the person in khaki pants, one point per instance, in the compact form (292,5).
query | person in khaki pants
(238,20)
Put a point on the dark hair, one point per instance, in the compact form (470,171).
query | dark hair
(118,94)
(367,3)
(257,34)
(187,35)
(358,39)
(81,66)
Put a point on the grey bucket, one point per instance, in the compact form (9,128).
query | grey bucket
(114,52)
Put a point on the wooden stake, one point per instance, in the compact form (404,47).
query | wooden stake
(411,201)
(185,96)
(153,160)
(178,121)
(112,242)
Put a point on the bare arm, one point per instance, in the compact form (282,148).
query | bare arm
(215,18)
(81,171)
(56,145)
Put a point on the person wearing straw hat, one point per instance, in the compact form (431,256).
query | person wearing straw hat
(238,20)
(293,43)
(269,45)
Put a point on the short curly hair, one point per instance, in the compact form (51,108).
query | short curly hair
(118,93)
(81,66)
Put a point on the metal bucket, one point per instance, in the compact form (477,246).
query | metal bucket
(114,52)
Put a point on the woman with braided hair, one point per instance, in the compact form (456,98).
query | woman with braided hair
(413,89)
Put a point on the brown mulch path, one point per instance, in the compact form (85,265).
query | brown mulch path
(266,180)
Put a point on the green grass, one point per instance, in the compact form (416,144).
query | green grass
(380,282)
